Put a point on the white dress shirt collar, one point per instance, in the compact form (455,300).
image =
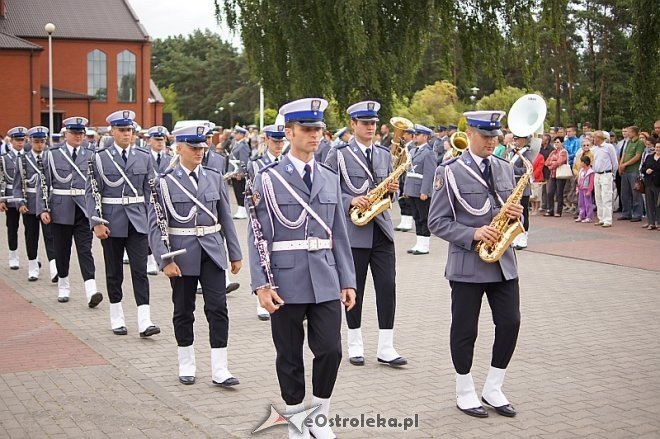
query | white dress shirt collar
(300,165)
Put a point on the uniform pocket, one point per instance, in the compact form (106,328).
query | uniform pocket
(475,194)
(283,259)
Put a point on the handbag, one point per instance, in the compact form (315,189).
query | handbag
(639,185)
(564,172)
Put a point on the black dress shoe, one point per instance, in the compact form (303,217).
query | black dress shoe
(409,251)
(356,361)
(95,300)
(504,410)
(14,267)
(623,218)
(32,279)
(151,330)
(232,287)
(63,299)
(229,382)
(398,361)
(187,380)
(635,220)
(120,331)
(263,317)
(55,279)
(477,412)
(417,252)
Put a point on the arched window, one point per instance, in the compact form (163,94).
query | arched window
(126,77)
(97,77)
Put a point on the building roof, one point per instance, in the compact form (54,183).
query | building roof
(64,94)
(11,42)
(73,19)
(154,92)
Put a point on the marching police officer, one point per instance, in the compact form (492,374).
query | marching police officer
(342,136)
(192,209)
(66,173)
(361,166)
(469,191)
(116,193)
(238,162)
(8,203)
(30,164)
(522,148)
(419,182)
(298,205)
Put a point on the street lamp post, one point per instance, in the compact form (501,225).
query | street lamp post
(473,97)
(50,28)
(231,114)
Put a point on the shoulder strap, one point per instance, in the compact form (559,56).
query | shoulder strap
(77,169)
(123,174)
(193,198)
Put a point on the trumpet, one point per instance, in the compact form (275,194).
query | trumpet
(459,142)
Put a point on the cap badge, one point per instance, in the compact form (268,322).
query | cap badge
(316,104)
(371,106)
(200,131)
(125,114)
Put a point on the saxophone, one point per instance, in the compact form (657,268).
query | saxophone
(507,227)
(378,200)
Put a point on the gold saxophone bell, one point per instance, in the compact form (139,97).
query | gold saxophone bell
(459,142)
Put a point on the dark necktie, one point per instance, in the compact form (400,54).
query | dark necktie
(371,166)
(74,154)
(194,177)
(123,156)
(205,160)
(307,177)
(486,171)
(277,159)
(158,160)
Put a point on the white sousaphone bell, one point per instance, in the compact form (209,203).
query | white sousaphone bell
(526,118)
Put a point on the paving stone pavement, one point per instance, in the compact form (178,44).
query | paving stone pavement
(586,363)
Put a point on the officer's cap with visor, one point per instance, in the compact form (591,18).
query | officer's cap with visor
(307,112)
(365,110)
(486,123)
(275,132)
(75,124)
(193,136)
(38,132)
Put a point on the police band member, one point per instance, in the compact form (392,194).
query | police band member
(8,204)
(405,205)
(469,191)
(195,207)
(238,162)
(160,161)
(274,143)
(65,169)
(362,166)
(342,136)
(522,148)
(419,183)
(30,165)
(119,175)
(298,204)
(324,147)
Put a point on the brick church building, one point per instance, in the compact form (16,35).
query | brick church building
(101,63)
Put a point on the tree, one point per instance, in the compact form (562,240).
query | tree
(433,105)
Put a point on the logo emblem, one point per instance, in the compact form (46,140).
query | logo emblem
(20,130)
(126,114)
(200,131)
(280,128)
(289,169)
(160,129)
(40,130)
(438,183)
(316,104)
(495,117)
(371,106)
(256,198)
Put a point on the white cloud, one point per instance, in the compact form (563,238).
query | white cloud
(163,18)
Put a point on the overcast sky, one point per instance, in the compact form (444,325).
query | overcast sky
(163,18)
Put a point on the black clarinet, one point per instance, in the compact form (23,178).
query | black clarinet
(161,222)
(45,194)
(259,240)
(24,176)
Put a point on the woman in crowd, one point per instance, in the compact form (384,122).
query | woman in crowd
(556,186)
(651,171)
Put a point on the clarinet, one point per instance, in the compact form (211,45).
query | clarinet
(24,176)
(98,207)
(3,181)
(44,186)
(259,240)
(161,221)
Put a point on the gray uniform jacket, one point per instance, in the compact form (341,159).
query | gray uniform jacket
(215,161)
(361,236)
(519,167)
(177,206)
(9,165)
(67,185)
(257,164)
(33,180)
(303,276)
(120,204)
(457,225)
(241,152)
(419,180)
(322,152)
(164,162)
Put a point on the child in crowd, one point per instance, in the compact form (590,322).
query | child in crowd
(584,189)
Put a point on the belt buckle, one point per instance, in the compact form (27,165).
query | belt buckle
(313,244)
(199,231)
(125,201)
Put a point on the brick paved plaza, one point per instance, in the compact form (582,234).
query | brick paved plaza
(587,362)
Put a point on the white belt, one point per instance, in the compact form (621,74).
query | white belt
(70,192)
(194,231)
(123,200)
(414,175)
(9,186)
(31,190)
(309,244)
